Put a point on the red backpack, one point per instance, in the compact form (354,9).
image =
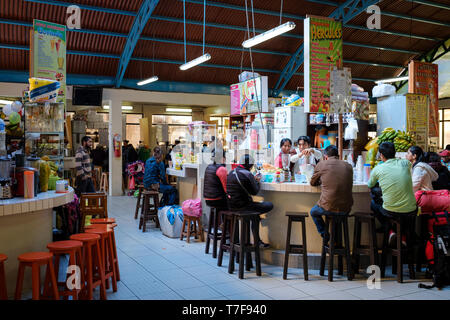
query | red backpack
(433,201)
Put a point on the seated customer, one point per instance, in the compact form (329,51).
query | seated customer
(241,185)
(394,177)
(443,182)
(215,185)
(155,178)
(336,179)
(422,174)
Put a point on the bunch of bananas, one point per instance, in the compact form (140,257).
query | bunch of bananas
(401,139)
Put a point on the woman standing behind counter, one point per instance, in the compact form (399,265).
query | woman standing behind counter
(305,154)
(285,148)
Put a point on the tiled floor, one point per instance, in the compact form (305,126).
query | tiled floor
(156,267)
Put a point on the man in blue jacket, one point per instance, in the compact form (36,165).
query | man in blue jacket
(155,174)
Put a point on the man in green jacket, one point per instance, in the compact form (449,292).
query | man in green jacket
(394,178)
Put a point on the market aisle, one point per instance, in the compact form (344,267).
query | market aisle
(154,266)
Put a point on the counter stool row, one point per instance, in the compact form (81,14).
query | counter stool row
(92,254)
(339,243)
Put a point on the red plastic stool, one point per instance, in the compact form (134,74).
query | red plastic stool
(73,249)
(92,261)
(105,232)
(110,222)
(3,292)
(35,260)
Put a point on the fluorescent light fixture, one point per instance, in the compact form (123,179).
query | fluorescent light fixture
(178,110)
(195,62)
(392,80)
(272,33)
(149,80)
(123,107)
(5,101)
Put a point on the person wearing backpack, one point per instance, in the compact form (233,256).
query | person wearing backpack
(241,185)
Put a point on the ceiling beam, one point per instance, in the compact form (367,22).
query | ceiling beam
(85,7)
(345,12)
(140,21)
(431,4)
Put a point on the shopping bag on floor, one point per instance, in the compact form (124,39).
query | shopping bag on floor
(170,220)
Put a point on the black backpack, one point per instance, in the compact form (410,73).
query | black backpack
(438,251)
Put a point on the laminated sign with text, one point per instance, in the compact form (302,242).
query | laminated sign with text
(48,54)
(322,51)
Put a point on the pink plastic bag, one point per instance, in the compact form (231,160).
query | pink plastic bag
(192,207)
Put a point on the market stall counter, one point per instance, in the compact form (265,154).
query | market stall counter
(300,197)
(27,225)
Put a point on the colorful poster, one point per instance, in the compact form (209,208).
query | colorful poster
(48,54)
(249,96)
(417,118)
(322,52)
(423,78)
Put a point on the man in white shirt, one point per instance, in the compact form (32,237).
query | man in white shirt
(305,154)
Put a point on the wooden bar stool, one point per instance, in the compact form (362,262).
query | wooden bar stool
(243,219)
(139,200)
(149,210)
(73,249)
(227,223)
(106,248)
(94,204)
(404,226)
(296,248)
(336,222)
(195,230)
(110,222)
(3,291)
(94,274)
(35,260)
(104,184)
(213,231)
(359,249)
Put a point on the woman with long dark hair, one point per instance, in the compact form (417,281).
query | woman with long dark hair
(422,174)
(285,148)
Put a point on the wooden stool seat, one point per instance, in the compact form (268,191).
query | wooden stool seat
(3,291)
(35,260)
(334,225)
(296,248)
(74,249)
(213,232)
(399,251)
(243,219)
(358,248)
(196,229)
(103,221)
(94,204)
(149,211)
(93,262)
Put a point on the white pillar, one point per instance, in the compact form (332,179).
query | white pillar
(115,163)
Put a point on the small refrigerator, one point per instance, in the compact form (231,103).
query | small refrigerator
(289,122)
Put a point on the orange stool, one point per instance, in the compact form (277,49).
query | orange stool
(3,292)
(92,260)
(109,222)
(105,232)
(73,249)
(35,260)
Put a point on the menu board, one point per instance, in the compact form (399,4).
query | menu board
(341,90)
(249,96)
(423,78)
(417,118)
(48,54)
(322,52)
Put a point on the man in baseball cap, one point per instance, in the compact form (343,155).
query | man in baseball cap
(445,157)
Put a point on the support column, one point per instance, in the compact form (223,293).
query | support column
(115,163)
